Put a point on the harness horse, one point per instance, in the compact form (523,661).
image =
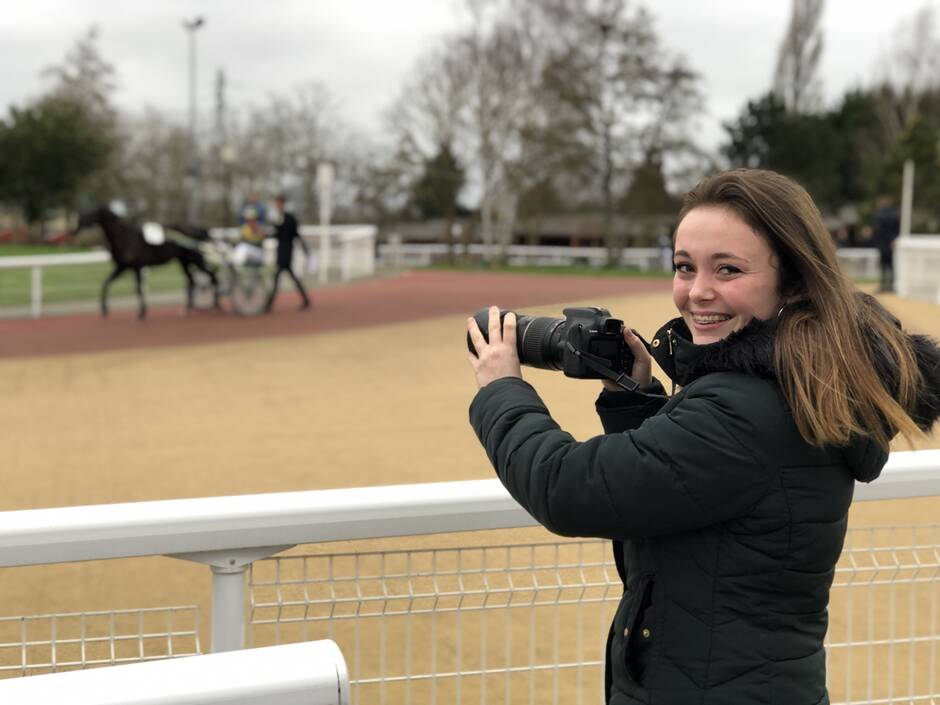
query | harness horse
(130,250)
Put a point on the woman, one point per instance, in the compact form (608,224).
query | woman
(727,502)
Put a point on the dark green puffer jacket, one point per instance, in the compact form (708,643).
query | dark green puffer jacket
(726,524)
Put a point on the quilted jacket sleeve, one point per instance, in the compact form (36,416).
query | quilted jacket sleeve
(704,459)
(623,411)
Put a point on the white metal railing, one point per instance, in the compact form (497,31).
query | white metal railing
(231,533)
(53,642)
(354,245)
(860,262)
(917,267)
(453,624)
(312,673)
(36,263)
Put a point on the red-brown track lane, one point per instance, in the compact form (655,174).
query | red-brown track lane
(408,296)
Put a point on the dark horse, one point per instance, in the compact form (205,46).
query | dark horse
(129,250)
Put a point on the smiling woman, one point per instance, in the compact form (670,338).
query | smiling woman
(727,502)
(726,274)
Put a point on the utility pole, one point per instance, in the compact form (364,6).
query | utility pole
(192,166)
(225,153)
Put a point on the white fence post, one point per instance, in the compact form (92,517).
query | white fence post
(36,292)
(228,591)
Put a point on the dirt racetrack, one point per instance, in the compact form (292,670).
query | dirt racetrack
(371,387)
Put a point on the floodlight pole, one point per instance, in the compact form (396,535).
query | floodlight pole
(192,166)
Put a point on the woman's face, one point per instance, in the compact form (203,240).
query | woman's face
(726,274)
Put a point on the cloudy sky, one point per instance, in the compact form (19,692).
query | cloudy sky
(362,49)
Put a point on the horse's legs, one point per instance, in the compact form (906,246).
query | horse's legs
(142,311)
(190,286)
(215,283)
(118,270)
(215,289)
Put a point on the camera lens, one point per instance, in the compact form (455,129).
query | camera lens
(540,340)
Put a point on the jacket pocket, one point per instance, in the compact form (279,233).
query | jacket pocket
(639,647)
(630,645)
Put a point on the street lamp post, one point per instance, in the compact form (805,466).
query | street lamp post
(192,165)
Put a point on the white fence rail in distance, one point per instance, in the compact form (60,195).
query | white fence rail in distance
(354,246)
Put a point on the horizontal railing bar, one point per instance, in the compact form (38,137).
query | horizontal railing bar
(95,639)
(613,599)
(70,534)
(885,642)
(469,673)
(90,662)
(54,260)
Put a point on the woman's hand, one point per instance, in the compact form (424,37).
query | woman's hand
(642,372)
(498,357)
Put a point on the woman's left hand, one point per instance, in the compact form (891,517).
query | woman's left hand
(498,357)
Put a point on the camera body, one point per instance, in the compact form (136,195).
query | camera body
(592,330)
(586,344)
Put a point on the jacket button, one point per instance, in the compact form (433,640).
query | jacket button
(646,633)
(626,631)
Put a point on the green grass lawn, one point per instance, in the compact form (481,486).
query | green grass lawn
(79,282)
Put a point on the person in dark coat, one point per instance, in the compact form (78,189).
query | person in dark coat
(286,232)
(726,501)
(886,226)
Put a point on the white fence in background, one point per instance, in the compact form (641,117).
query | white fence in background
(355,257)
(917,267)
(507,623)
(353,245)
(353,248)
(312,673)
(37,263)
(860,263)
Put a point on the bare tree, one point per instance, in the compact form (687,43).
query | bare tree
(604,86)
(796,80)
(908,73)
(428,119)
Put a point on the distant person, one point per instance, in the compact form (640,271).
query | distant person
(252,233)
(886,226)
(286,231)
(253,208)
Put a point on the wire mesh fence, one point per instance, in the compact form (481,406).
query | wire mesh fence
(526,623)
(884,617)
(59,642)
(485,624)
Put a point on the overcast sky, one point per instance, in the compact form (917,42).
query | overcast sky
(363,49)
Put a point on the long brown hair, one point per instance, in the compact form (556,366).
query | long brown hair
(828,336)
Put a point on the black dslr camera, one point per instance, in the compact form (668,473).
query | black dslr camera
(586,344)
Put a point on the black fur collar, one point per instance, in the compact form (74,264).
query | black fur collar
(749,350)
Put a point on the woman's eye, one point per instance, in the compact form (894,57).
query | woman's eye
(728,269)
(681,267)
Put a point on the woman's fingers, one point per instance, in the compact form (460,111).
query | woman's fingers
(509,330)
(476,335)
(495,332)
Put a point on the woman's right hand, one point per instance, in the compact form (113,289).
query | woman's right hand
(642,372)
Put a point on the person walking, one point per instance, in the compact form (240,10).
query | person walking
(885,230)
(286,231)
(727,501)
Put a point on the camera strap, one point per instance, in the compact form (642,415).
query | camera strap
(597,364)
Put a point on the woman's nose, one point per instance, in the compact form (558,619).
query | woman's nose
(702,289)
